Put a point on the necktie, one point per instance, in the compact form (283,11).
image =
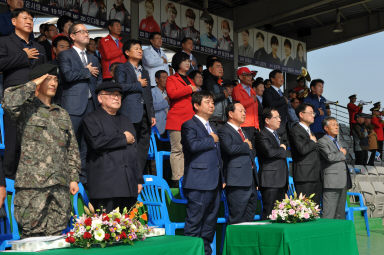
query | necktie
(208,127)
(241,134)
(117,42)
(280,92)
(83,59)
(336,143)
(277,137)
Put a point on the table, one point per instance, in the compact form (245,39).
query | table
(161,245)
(323,236)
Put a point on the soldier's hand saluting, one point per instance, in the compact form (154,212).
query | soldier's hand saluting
(73,188)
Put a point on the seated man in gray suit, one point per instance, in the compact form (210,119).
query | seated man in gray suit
(336,179)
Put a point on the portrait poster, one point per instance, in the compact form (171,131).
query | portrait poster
(149,16)
(120,10)
(190,24)
(287,55)
(260,56)
(246,44)
(274,51)
(208,34)
(225,38)
(170,23)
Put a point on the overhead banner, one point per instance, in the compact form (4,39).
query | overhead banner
(272,51)
(92,12)
(211,35)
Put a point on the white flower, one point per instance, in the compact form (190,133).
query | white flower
(96,223)
(99,235)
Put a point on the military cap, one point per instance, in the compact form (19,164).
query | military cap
(109,86)
(377,104)
(375,109)
(41,70)
(352,96)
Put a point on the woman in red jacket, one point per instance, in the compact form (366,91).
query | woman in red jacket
(179,89)
(378,126)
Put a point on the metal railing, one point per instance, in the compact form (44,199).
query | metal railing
(340,113)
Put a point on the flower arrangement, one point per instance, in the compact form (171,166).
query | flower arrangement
(295,209)
(104,229)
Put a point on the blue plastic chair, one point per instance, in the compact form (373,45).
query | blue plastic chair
(153,196)
(158,135)
(83,195)
(6,232)
(158,156)
(2,145)
(362,208)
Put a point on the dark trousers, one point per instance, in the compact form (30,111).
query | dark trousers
(109,204)
(202,209)
(309,188)
(269,196)
(77,122)
(12,147)
(143,135)
(371,161)
(242,203)
(361,157)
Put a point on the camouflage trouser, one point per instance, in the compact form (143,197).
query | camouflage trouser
(42,212)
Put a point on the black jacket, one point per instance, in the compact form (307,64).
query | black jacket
(273,172)
(210,83)
(305,155)
(14,62)
(111,163)
(272,99)
(238,159)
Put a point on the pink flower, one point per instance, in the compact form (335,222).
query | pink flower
(273,216)
(291,212)
(281,206)
(306,215)
(293,203)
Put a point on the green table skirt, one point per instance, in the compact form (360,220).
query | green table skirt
(323,236)
(162,245)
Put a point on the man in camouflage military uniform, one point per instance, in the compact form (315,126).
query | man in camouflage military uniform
(49,162)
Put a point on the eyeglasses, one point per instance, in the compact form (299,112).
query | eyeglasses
(247,74)
(112,95)
(53,29)
(312,113)
(82,32)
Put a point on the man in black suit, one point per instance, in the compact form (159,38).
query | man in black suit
(137,104)
(305,154)
(273,98)
(203,178)
(18,55)
(239,171)
(113,177)
(272,154)
(80,74)
(50,33)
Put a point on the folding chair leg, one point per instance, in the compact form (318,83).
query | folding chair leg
(159,165)
(366,223)
(213,245)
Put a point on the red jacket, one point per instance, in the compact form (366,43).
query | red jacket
(110,54)
(252,117)
(378,127)
(180,95)
(353,109)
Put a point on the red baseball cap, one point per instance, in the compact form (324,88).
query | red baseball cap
(245,70)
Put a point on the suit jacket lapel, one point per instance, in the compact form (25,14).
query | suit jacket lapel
(198,122)
(303,130)
(271,136)
(235,133)
(76,56)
